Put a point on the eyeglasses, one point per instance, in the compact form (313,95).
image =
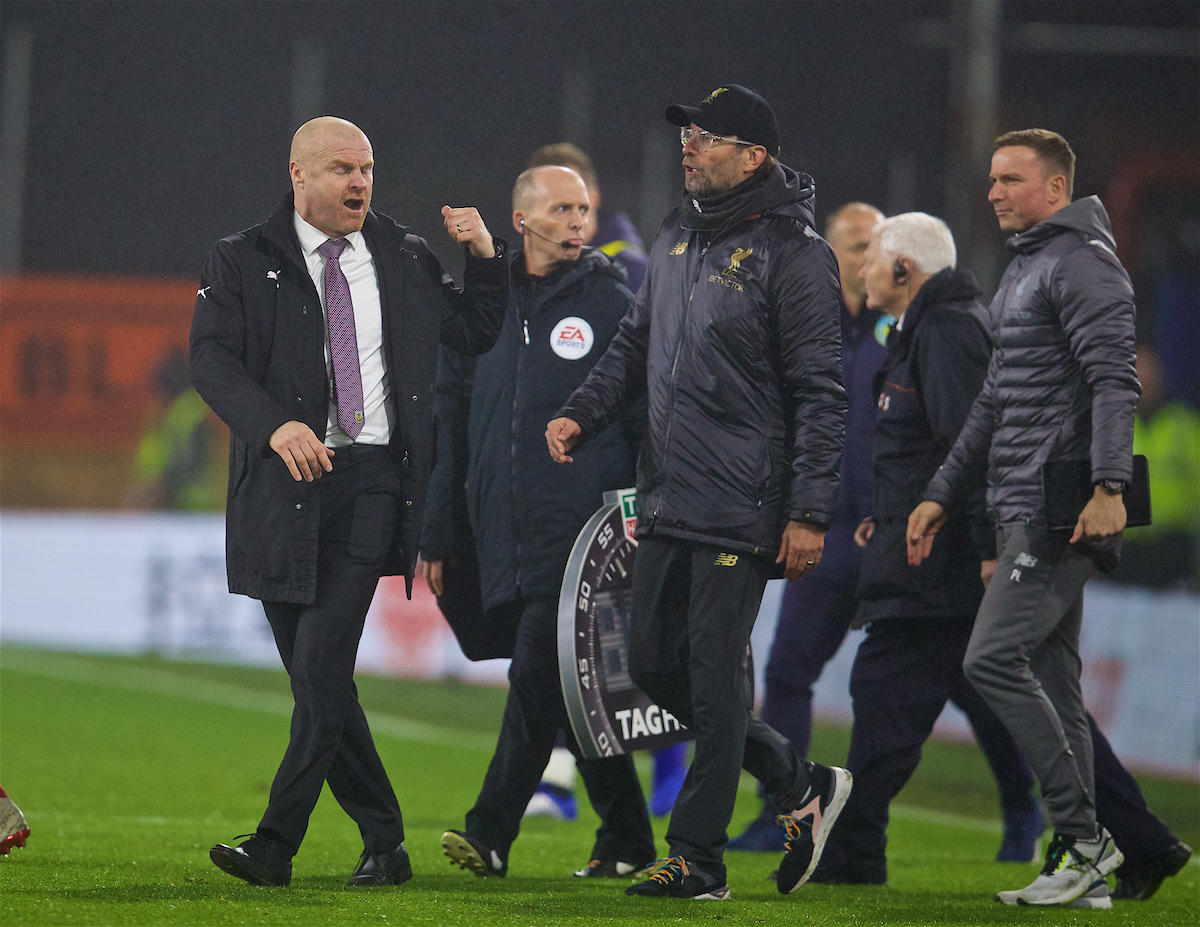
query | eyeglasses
(705,140)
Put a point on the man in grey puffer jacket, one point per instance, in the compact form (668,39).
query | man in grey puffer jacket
(1060,386)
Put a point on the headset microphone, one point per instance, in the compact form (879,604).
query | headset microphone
(533,231)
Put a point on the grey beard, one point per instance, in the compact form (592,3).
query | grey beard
(704,187)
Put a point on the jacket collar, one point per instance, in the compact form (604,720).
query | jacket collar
(783,191)
(591,262)
(1086,216)
(946,286)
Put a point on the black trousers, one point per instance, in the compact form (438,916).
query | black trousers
(330,740)
(694,607)
(1121,808)
(533,716)
(904,673)
(813,621)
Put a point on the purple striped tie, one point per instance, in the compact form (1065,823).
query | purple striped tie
(343,343)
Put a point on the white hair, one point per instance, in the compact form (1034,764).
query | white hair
(920,237)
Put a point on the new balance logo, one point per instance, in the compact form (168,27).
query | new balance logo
(679,248)
(726,560)
(1025,560)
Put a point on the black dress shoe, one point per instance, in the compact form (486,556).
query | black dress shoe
(1139,880)
(259,860)
(391,867)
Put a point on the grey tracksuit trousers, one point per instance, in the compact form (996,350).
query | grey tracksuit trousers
(1023,658)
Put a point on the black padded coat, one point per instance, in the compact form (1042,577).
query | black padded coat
(525,510)
(735,337)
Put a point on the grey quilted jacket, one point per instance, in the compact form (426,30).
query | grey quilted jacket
(1061,382)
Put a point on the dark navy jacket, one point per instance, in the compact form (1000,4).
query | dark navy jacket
(935,365)
(863,350)
(617,237)
(525,510)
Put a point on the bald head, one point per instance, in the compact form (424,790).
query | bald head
(332,168)
(535,180)
(319,134)
(848,231)
(550,207)
(567,155)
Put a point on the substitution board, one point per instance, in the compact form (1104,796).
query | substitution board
(609,714)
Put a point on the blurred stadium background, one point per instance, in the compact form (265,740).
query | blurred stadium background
(134,134)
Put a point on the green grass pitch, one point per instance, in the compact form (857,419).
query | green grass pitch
(129,769)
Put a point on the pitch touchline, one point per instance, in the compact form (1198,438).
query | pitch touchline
(164,682)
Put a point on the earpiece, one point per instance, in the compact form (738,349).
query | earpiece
(533,231)
(899,272)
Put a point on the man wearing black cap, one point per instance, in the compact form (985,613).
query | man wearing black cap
(734,336)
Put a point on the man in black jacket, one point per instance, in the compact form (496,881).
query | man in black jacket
(918,619)
(733,338)
(815,614)
(565,303)
(314,338)
(1061,386)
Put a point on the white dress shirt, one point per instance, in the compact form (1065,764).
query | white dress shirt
(359,269)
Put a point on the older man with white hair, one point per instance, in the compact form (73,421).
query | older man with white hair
(918,619)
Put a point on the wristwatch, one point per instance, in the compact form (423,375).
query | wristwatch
(1113,487)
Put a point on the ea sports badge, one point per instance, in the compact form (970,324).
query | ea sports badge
(572,338)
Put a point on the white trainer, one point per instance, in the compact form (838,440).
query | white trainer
(1072,869)
(1095,897)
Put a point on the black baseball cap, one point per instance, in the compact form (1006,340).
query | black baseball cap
(732,109)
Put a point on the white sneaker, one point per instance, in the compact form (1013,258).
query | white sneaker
(1095,897)
(1072,869)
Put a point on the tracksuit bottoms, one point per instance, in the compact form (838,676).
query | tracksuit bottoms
(694,607)
(1023,658)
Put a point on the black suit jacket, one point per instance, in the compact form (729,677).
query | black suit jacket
(257,358)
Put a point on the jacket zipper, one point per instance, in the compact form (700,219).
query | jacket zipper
(675,360)
(721,233)
(512,450)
